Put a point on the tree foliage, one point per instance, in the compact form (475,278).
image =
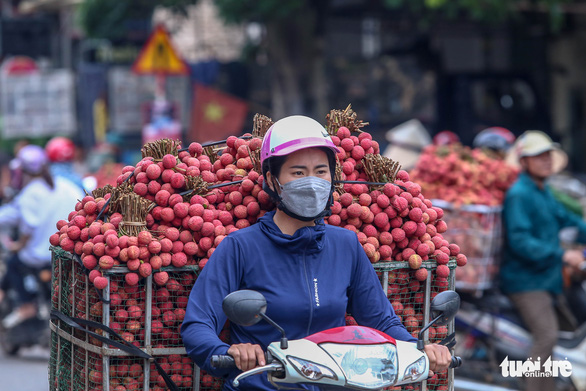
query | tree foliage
(481,10)
(109,18)
(294,38)
(236,11)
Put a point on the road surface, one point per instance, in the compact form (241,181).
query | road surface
(25,372)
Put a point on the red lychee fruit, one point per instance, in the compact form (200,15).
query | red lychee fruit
(423,249)
(93,274)
(442,271)
(343,132)
(441,226)
(461,260)
(169,161)
(131,278)
(421,274)
(145,269)
(454,249)
(410,227)
(398,234)
(100,282)
(106,262)
(415,261)
(161,278)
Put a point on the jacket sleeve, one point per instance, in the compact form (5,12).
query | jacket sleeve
(204,318)
(368,303)
(520,239)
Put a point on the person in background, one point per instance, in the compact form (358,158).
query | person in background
(61,152)
(446,137)
(4,175)
(11,176)
(531,268)
(34,212)
(496,140)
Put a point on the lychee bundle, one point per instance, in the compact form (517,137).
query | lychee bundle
(169,212)
(462,175)
(394,221)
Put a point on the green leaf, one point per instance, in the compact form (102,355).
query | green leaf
(434,3)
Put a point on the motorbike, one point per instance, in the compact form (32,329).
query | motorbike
(353,357)
(491,334)
(30,332)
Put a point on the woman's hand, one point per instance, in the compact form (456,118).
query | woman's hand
(439,357)
(247,356)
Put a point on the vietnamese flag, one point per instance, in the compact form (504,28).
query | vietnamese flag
(215,115)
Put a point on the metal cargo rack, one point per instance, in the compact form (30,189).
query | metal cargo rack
(81,362)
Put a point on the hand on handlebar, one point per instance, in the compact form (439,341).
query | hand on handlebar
(439,357)
(574,258)
(247,356)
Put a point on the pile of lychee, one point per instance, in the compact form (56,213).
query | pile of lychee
(185,224)
(463,175)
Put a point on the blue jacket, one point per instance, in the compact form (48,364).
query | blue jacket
(532,257)
(310,281)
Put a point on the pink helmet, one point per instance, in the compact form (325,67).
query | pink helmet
(31,159)
(292,134)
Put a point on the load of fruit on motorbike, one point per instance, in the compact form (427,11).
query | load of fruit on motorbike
(174,207)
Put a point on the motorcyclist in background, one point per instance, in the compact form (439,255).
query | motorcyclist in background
(533,258)
(496,140)
(61,153)
(11,182)
(445,137)
(34,211)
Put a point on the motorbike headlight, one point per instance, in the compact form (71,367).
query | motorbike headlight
(415,370)
(365,365)
(311,370)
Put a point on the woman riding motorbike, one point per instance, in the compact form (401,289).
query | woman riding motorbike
(34,211)
(310,273)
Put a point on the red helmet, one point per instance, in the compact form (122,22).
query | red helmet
(60,149)
(446,137)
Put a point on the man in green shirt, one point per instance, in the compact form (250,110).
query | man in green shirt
(531,269)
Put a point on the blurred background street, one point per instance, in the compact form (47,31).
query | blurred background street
(27,372)
(90,82)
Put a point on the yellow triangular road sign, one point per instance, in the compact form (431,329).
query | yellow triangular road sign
(158,56)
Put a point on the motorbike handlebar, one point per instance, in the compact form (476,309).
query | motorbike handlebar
(223,361)
(456,362)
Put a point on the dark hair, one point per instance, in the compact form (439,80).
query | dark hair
(46,175)
(273,165)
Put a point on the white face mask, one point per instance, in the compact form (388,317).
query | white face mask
(306,197)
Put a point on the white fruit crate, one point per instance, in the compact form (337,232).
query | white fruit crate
(477,230)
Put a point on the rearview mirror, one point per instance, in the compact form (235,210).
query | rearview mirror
(445,306)
(244,307)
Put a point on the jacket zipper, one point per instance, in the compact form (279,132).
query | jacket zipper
(308,284)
